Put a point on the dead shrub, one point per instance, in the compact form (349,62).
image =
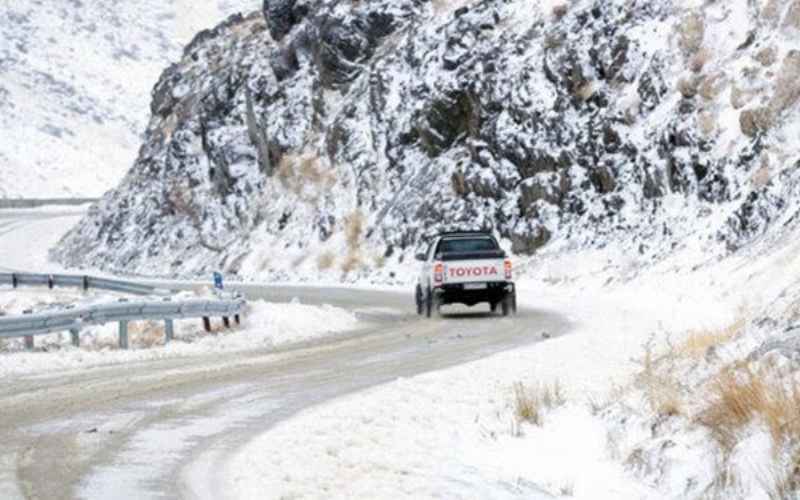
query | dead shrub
(767,56)
(691,32)
(530,403)
(712,86)
(787,85)
(305,175)
(560,10)
(707,123)
(698,343)
(739,396)
(688,87)
(146,333)
(699,60)
(353,227)
(661,389)
(792,19)
(740,98)
(351,263)
(585,91)
(762,176)
(325,261)
(755,121)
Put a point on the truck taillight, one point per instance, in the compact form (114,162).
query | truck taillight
(438,272)
(509,270)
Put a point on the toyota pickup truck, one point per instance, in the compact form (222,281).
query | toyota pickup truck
(465,268)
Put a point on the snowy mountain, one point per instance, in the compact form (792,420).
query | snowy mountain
(329,138)
(75,80)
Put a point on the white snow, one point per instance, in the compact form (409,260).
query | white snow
(454,433)
(265,327)
(75,80)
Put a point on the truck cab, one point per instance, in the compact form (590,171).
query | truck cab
(465,268)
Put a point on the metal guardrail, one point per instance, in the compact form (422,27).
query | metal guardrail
(73,320)
(74,281)
(9,203)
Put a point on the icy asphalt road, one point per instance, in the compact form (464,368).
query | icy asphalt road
(161,429)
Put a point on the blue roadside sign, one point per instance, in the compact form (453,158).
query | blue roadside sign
(218,281)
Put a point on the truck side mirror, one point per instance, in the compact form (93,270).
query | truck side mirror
(421,257)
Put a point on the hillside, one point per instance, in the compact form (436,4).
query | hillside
(75,80)
(344,137)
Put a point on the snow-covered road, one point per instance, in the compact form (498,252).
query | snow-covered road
(161,429)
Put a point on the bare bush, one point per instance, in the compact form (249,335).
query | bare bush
(787,85)
(712,86)
(325,261)
(691,32)
(739,396)
(305,175)
(659,385)
(792,19)
(699,60)
(698,343)
(755,121)
(530,403)
(146,333)
(560,10)
(688,87)
(767,56)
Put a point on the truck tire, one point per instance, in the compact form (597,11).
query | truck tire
(429,303)
(514,303)
(419,301)
(505,305)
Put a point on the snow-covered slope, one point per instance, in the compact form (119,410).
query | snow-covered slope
(343,133)
(75,80)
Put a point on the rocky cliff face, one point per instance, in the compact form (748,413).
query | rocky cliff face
(331,137)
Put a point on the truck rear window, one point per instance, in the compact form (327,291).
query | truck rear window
(467,245)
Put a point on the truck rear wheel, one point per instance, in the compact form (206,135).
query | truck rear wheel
(505,306)
(429,303)
(419,300)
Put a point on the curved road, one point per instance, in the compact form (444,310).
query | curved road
(159,429)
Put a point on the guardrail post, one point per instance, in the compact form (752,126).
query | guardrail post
(29,342)
(14,280)
(50,283)
(76,337)
(85,283)
(123,334)
(169,330)
(227,322)
(207,323)
(237,319)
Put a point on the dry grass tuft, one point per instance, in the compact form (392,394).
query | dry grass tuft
(146,333)
(740,396)
(792,19)
(353,227)
(351,263)
(530,403)
(560,10)
(712,86)
(767,56)
(699,60)
(688,87)
(305,175)
(325,261)
(699,342)
(661,389)
(787,85)
(691,32)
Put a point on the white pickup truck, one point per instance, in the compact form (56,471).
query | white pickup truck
(465,268)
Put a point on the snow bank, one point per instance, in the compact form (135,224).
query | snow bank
(264,328)
(456,434)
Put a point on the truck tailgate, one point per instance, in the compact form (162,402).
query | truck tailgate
(474,271)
